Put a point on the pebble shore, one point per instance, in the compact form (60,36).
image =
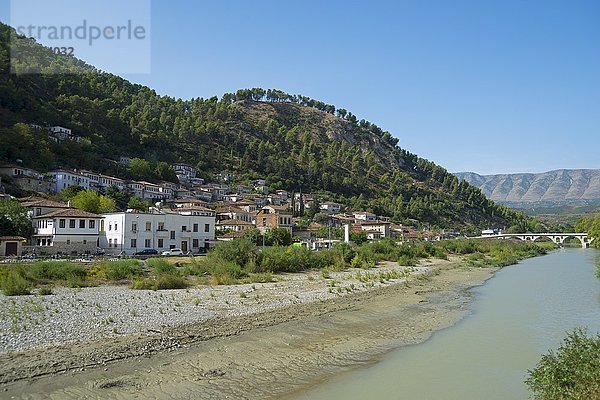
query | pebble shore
(75,315)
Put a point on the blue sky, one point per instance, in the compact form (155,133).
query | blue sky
(482,86)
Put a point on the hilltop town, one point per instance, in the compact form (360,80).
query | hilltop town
(191,215)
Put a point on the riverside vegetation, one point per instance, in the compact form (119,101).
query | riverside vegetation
(241,261)
(572,372)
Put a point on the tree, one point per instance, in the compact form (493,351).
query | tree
(14,219)
(279,237)
(87,200)
(121,197)
(358,237)
(141,168)
(70,191)
(572,372)
(135,203)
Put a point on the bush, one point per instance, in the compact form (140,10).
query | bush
(572,372)
(122,269)
(13,282)
(225,272)
(65,272)
(161,266)
(162,282)
(238,251)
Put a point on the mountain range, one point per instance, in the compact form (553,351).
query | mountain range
(563,186)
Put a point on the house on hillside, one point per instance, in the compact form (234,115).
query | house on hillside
(62,179)
(330,207)
(375,229)
(270,217)
(364,217)
(233,225)
(26,178)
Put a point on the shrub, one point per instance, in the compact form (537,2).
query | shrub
(162,282)
(13,282)
(238,251)
(122,269)
(572,372)
(264,277)
(357,262)
(45,291)
(66,272)
(225,272)
(161,266)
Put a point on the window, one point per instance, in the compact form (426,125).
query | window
(68,241)
(194,242)
(101,225)
(92,224)
(161,243)
(183,228)
(110,226)
(148,226)
(38,211)
(61,223)
(116,226)
(147,243)
(195,227)
(116,242)
(134,243)
(206,227)
(109,242)
(81,223)
(172,235)
(134,226)
(84,241)
(71,223)
(161,226)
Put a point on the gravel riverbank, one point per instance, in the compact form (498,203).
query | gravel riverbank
(234,330)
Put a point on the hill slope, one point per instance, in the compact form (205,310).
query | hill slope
(553,187)
(297,143)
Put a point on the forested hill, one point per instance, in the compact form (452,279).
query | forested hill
(295,142)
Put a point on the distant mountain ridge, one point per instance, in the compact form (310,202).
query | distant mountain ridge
(558,186)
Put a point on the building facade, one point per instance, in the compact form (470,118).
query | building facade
(68,231)
(132,232)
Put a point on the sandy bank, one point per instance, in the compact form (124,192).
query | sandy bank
(271,350)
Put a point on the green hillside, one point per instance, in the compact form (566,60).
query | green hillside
(295,142)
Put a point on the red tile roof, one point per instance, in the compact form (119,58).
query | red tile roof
(71,212)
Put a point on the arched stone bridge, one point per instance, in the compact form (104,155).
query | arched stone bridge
(557,238)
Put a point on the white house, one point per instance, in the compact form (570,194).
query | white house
(364,217)
(68,231)
(63,179)
(234,225)
(330,207)
(133,232)
(376,229)
(185,172)
(59,133)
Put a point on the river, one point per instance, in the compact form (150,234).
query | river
(516,316)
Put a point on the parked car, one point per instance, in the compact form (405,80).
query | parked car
(146,252)
(172,252)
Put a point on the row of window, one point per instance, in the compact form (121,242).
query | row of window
(148,243)
(62,223)
(161,227)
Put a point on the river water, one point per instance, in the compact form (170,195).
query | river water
(516,316)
